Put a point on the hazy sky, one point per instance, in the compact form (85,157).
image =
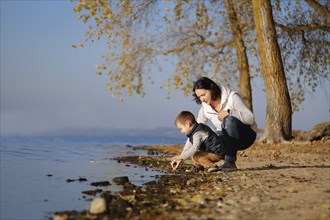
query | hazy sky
(47,85)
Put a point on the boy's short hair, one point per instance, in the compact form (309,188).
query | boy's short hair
(185,116)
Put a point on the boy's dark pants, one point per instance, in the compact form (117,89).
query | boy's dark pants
(236,136)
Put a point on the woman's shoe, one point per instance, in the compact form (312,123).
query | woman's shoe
(228,166)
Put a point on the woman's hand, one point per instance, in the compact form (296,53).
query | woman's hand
(222,115)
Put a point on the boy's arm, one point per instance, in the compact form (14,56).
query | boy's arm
(176,160)
(191,149)
(187,146)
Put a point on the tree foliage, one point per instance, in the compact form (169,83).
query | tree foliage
(195,35)
(197,38)
(304,39)
(128,49)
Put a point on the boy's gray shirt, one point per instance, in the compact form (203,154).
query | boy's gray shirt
(190,149)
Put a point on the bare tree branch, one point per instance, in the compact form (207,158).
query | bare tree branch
(320,9)
(204,43)
(298,28)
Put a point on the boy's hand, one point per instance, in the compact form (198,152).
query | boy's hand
(175,164)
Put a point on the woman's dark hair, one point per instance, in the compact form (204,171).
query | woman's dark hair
(207,84)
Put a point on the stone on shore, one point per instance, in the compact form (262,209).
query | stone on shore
(98,206)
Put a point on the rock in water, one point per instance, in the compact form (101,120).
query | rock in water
(98,206)
(121,180)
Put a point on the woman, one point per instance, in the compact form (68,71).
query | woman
(234,122)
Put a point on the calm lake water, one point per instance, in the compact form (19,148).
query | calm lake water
(34,171)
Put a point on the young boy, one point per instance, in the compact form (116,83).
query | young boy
(204,146)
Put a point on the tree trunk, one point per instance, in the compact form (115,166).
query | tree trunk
(278,125)
(243,65)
